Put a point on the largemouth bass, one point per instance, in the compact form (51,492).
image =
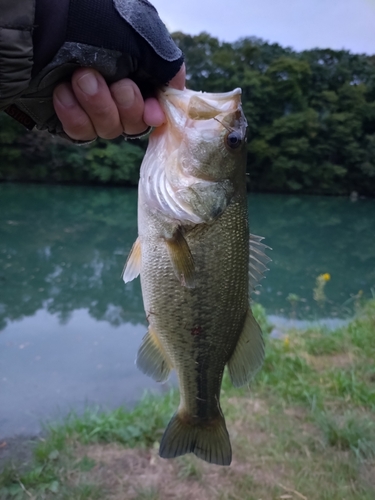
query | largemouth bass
(192,254)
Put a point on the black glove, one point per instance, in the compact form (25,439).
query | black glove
(119,38)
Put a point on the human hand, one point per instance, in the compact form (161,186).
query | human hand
(89,108)
(118,40)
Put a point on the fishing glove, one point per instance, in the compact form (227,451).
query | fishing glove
(119,38)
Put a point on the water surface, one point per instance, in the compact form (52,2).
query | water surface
(70,328)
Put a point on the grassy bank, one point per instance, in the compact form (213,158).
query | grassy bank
(304,430)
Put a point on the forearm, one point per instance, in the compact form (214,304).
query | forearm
(51,18)
(16,48)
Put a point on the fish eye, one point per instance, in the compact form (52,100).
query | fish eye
(234,140)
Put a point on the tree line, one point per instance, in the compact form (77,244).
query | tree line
(311,122)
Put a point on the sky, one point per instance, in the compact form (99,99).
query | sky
(300,24)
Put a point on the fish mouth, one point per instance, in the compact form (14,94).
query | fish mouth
(182,105)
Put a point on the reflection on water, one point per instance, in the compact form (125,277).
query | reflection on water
(62,250)
(49,368)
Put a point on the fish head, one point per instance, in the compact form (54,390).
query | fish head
(207,133)
(196,161)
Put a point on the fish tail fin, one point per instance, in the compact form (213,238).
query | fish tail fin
(208,440)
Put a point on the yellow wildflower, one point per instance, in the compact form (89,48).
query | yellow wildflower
(320,283)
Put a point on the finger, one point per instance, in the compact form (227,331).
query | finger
(74,119)
(93,94)
(130,106)
(153,113)
(178,81)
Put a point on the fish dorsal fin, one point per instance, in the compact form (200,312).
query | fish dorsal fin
(258,260)
(132,266)
(248,354)
(152,359)
(181,259)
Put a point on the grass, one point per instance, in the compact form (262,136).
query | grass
(147,494)
(304,430)
(141,427)
(349,432)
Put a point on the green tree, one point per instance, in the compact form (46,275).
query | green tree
(311,121)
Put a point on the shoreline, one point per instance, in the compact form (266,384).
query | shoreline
(311,407)
(277,327)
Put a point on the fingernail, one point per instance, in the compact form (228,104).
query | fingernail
(65,96)
(124,95)
(88,84)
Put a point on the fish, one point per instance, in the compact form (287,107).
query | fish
(198,264)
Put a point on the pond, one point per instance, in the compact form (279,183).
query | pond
(70,328)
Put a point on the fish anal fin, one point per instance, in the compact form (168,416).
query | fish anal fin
(152,359)
(132,266)
(208,440)
(181,259)
(248,354)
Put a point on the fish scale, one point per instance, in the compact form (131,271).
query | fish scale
(205,306)
(193,255)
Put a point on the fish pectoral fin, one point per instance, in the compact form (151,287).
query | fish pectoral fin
(248,354)
(258,260)
(132,266)
(208,440)
(181,259)
(152,359)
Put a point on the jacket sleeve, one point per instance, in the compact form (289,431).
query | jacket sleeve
(16,48)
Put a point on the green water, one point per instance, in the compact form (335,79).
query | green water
(310,236)
(69,327)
